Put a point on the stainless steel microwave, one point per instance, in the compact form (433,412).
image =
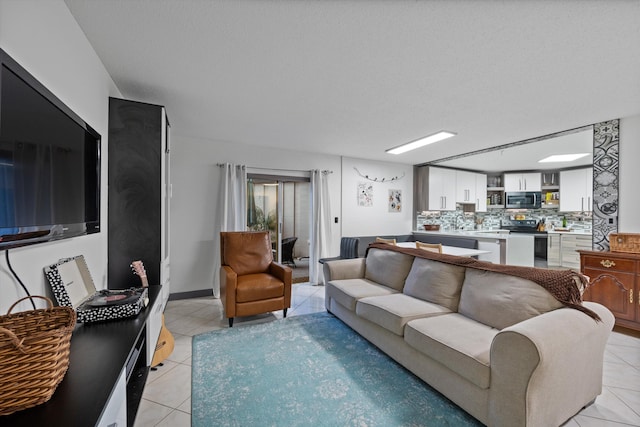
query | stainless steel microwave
(523,200)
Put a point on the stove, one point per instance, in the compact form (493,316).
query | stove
(528,226)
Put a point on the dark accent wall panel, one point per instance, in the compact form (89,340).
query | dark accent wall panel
(606,142)
(135,185)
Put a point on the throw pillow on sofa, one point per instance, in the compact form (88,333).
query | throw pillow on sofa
(435,282)
(501,300)
(387,268)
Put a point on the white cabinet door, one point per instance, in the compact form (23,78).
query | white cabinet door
(115,411)
(465,187)
(481,192)
(570,245)
(553,250)
(494,251)
(154,324)
(531,181)
(576,189)
(442,189)
(471,187)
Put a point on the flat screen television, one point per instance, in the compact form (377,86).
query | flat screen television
(49,164)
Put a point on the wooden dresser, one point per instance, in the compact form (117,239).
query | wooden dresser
(615,280)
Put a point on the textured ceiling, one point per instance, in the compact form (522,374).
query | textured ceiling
(356,77)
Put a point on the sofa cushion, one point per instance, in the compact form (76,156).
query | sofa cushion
(459,343)
(387,268)
(348,291)
(501,300)
(435,282)
(392,312)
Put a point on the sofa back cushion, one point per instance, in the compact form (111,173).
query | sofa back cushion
(435,282)
(501,300)
(387,268)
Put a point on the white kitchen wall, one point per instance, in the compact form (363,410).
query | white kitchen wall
(46,40)
(629,175)
(375,219)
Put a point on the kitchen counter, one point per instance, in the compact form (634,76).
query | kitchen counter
(501,247)
(475,234)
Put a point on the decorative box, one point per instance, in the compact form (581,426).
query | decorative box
(72,286)
(625,242)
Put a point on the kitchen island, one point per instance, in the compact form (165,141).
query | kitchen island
(500,246)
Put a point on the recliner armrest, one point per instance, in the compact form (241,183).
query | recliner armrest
(285,274)
(228,284)
(280,271)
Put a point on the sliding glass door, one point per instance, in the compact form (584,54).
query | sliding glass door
(281,205)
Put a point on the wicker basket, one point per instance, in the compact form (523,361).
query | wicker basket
(34,354)
(625,242)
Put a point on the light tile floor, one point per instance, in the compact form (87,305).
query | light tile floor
(167,396)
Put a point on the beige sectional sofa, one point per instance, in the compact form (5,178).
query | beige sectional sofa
(501,347)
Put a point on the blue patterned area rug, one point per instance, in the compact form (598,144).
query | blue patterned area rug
(309,370)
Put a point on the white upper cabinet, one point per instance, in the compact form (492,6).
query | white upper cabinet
(465,187)
(530,181)
(471,187)
(481,192)
(442,189)
(576,190)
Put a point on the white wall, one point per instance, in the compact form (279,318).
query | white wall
(195,201)
(629,175)
(46,40)
(376,219)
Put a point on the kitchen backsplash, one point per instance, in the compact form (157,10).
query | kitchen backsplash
(459,220)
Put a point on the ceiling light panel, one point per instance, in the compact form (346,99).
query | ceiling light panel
(420,142)
(557,158)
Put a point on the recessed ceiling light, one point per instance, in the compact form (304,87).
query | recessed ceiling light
(563,158)
(420,142)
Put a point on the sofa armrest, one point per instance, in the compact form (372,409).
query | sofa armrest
(343,269)
(545,369)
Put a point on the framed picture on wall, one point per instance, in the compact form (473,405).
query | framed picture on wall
(395,200)
(365,194)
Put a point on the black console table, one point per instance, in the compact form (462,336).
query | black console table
(99,352)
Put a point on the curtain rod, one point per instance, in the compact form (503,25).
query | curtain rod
(277,169)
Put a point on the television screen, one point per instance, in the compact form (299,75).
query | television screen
(49,164)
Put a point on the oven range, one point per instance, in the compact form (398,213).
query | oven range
(528,226)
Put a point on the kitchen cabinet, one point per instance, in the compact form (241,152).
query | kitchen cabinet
(494,249)
(530,181)
(553,250)
(481,192)
(576,190)
(441,189)
(471,188)
(570,244)
(614,283)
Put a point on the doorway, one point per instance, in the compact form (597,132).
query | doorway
(282,206)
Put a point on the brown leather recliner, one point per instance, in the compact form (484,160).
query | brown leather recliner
(250,282)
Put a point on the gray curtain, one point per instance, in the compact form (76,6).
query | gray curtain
(320,224)
(233,209)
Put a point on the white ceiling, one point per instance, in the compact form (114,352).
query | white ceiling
(526,156)
(356,77)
